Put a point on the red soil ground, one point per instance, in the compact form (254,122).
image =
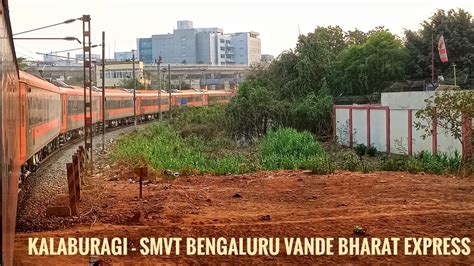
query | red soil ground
(386,204)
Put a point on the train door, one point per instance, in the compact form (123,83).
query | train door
(23,122)
(138,101)
(64,112)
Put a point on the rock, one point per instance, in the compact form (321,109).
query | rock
(266,217)
(237,195)
(130,180)
(359,230)
(176,174)
(113,178)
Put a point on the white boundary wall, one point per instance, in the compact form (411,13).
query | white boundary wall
(390,126)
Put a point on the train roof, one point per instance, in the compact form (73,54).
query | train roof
(183,92)
(38,82)
(75,90)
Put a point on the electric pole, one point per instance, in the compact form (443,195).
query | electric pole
(158,62)
(103,91)
(134,91)
(169,85)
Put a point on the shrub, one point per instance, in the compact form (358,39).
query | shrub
(371,151)
(319,165)
(393,163)
(350,162)
(286,148)
(366,168)
(423,162)
(413,165)
(360,149)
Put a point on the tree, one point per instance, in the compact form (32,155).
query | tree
(128,84)
(317,53)
(21,61)
(447,107)
(355,37)
(456,27)
(370,67)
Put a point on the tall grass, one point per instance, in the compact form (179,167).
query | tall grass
(287,148)
(161,147)
(440,163)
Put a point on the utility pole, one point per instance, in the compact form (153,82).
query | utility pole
(103,91)
(169,85)
(87,71)
(432,60)
(134,91)
(158,63)
(454,65)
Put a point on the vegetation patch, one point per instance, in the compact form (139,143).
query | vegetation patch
(287,148)
(161,147)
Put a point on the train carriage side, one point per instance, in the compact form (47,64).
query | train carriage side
(189,99)
(41,119)
(219,97)
(118,106)
(148,102)
(73,110)
(9,137)
(96,102)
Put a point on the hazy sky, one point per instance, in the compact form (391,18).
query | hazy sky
(277,21)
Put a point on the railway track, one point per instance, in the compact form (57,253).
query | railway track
(81,138)
(41,187)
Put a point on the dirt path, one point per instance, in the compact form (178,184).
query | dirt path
(272,204)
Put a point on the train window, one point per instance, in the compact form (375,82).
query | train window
(42,109)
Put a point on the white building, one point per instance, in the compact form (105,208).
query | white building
(210,46)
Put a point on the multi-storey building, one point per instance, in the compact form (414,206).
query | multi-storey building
(210,46)
(123,56)
(116,72)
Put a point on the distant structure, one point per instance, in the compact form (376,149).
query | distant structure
(210,46)
(79,57)
(123,56)
(117,72)
(267,58)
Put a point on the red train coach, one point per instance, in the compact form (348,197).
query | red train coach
(148,103)
(9,137)
(40,118)
(190,98)
(118,107)
(214,97)
(72,100)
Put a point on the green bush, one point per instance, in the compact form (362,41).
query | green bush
(360,150)
(208,122)
(393,163)
(371,151)
(413,165)
(350,162)
(319,165)
(286,148)
(422,162)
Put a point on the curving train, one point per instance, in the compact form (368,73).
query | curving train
(50,115)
